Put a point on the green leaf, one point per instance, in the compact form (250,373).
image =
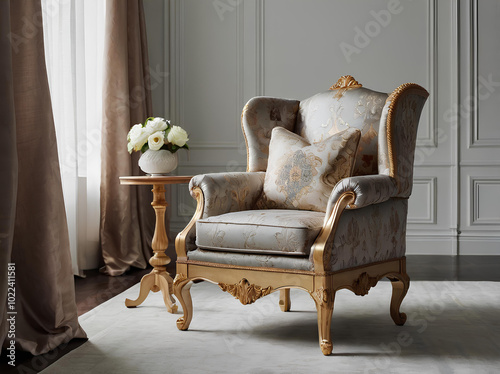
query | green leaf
(144,148)
(146,121)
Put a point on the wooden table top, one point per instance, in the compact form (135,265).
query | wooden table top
(156,179)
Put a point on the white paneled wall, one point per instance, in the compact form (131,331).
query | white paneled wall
(220,53)
(479,109)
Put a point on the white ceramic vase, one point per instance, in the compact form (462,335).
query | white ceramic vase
(158,162)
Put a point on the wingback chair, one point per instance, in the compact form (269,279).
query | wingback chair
(321,207)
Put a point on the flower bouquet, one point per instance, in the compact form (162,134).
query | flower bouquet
(158,140)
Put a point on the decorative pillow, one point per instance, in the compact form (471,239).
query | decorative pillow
(301,175)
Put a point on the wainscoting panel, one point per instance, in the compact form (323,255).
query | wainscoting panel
(480,210)
(432,212)
(423,202)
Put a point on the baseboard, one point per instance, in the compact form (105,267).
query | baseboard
(418,245)
(480,246)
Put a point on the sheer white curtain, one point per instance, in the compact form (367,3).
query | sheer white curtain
(74,44)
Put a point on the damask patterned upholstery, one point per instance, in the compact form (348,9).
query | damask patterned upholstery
(224,193)
(369,189)
(269,231)
(360,236)
(301,175)
(398,137)
(315,119)
(373,227)
(329,112)
(228,192)
(372,234)
(253,260)
(258,119)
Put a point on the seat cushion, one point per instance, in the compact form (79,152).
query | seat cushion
(301,175)
(270,231)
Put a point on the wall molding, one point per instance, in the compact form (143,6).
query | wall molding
(431,184)
(166,57)
(434,164)
(240,67)
(177,105)
(432,233)
(176,50)
(212,145)
(260,48)
(431,139)
(475,185)
(186,205)
(489,163)
(474,134)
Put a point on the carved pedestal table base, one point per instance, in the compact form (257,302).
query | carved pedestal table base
(158,279)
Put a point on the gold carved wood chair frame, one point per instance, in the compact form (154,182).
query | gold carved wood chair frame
(247,284)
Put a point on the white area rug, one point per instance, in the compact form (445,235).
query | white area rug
(453,327)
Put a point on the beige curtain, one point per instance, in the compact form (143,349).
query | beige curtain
(127,219)
(33,228)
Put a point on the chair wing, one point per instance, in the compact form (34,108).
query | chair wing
(398,135)
(258,118)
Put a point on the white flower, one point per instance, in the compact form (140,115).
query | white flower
(156,140)
(141,140)
(134,132)
(156,124)
(154,134)
(137,137)
(178,136)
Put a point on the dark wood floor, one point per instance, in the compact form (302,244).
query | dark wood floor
(459,268)
(97,288)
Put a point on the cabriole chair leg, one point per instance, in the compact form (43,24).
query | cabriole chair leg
(183,294)
(324,306)
(400,285)
(285,302)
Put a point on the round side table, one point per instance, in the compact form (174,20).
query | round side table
(158,279)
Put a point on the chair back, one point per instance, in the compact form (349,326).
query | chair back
(346,104)
(388,125)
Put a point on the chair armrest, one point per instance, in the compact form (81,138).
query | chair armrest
(218,193)
(228,192)
(369,189)
(349,193)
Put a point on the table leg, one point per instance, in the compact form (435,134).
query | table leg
(158,279)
